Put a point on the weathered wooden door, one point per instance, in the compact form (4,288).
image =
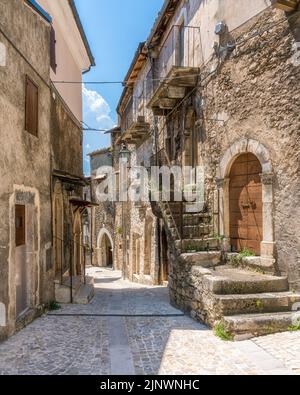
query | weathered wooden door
(246,204)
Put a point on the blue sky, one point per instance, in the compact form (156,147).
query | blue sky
(114,29)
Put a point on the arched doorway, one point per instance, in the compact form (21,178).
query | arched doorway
(77,241)
(148,246)
(165,269)
(245,204)
(226,172)
(105,249)
(58,231)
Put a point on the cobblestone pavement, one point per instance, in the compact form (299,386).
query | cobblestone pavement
(132,329)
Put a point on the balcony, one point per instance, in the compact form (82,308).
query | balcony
(175,69)
(134,127)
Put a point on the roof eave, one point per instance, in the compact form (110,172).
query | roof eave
(82,33)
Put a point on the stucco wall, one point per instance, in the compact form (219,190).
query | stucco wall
(66,139)
(68,67)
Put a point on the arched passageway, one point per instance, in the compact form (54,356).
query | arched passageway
(105,249)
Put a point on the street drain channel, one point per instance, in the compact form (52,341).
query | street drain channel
(119,315)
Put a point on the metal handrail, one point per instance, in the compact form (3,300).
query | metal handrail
(135,108)
(71,243)
(181,47)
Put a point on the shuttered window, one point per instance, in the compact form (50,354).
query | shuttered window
(20,225)
(31,107)
(53,50)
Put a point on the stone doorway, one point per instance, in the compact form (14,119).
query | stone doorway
(245,204)
(225,172)
(105,249)
(77,242)
(148,246)
(165,268)
(58,236)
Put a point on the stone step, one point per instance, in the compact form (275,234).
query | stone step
(273,302)
(196,219)
(85,294)
(202,259)
(247,326)
(198,245)
(190,232)
(225,280)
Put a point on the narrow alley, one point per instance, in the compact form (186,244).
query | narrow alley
(131,329)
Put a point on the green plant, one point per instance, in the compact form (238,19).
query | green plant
(236,260)
(259,304)
(119,231)
(53,306)
(295,327)
(218,237)
(222,333)
(246,252)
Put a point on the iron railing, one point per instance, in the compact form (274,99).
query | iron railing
(65,268)
(133,113)
(203,225)
(181,48)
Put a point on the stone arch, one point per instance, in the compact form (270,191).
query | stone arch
(148,245)
(254,147)
(58,228)
(102,258)
(241,147)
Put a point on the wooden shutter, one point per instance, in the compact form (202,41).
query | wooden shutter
(20,225)
(53,50)
(31,107)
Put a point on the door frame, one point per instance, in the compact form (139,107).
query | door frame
(245,146)
(103,232)
(30,198)
(241,222)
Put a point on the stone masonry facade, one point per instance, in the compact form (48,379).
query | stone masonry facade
(217,108)
(41,169)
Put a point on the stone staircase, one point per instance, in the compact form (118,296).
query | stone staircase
(81,293)
(202,283)
(248,303)
(190,231)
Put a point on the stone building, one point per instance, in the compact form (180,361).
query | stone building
(217,80)
(41,168)
(140,231)
(102,216)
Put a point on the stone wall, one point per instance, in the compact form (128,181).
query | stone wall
(251,102)
(25,159)
(254,95)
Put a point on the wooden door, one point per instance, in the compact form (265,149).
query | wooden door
(246,204)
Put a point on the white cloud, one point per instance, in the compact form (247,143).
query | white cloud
(97,112)
(88,146)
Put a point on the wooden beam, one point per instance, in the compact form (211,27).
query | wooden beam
(166,103)
(285,5)
(176,92)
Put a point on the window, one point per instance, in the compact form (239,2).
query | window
(20,225)
(53,50)
(31,107)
